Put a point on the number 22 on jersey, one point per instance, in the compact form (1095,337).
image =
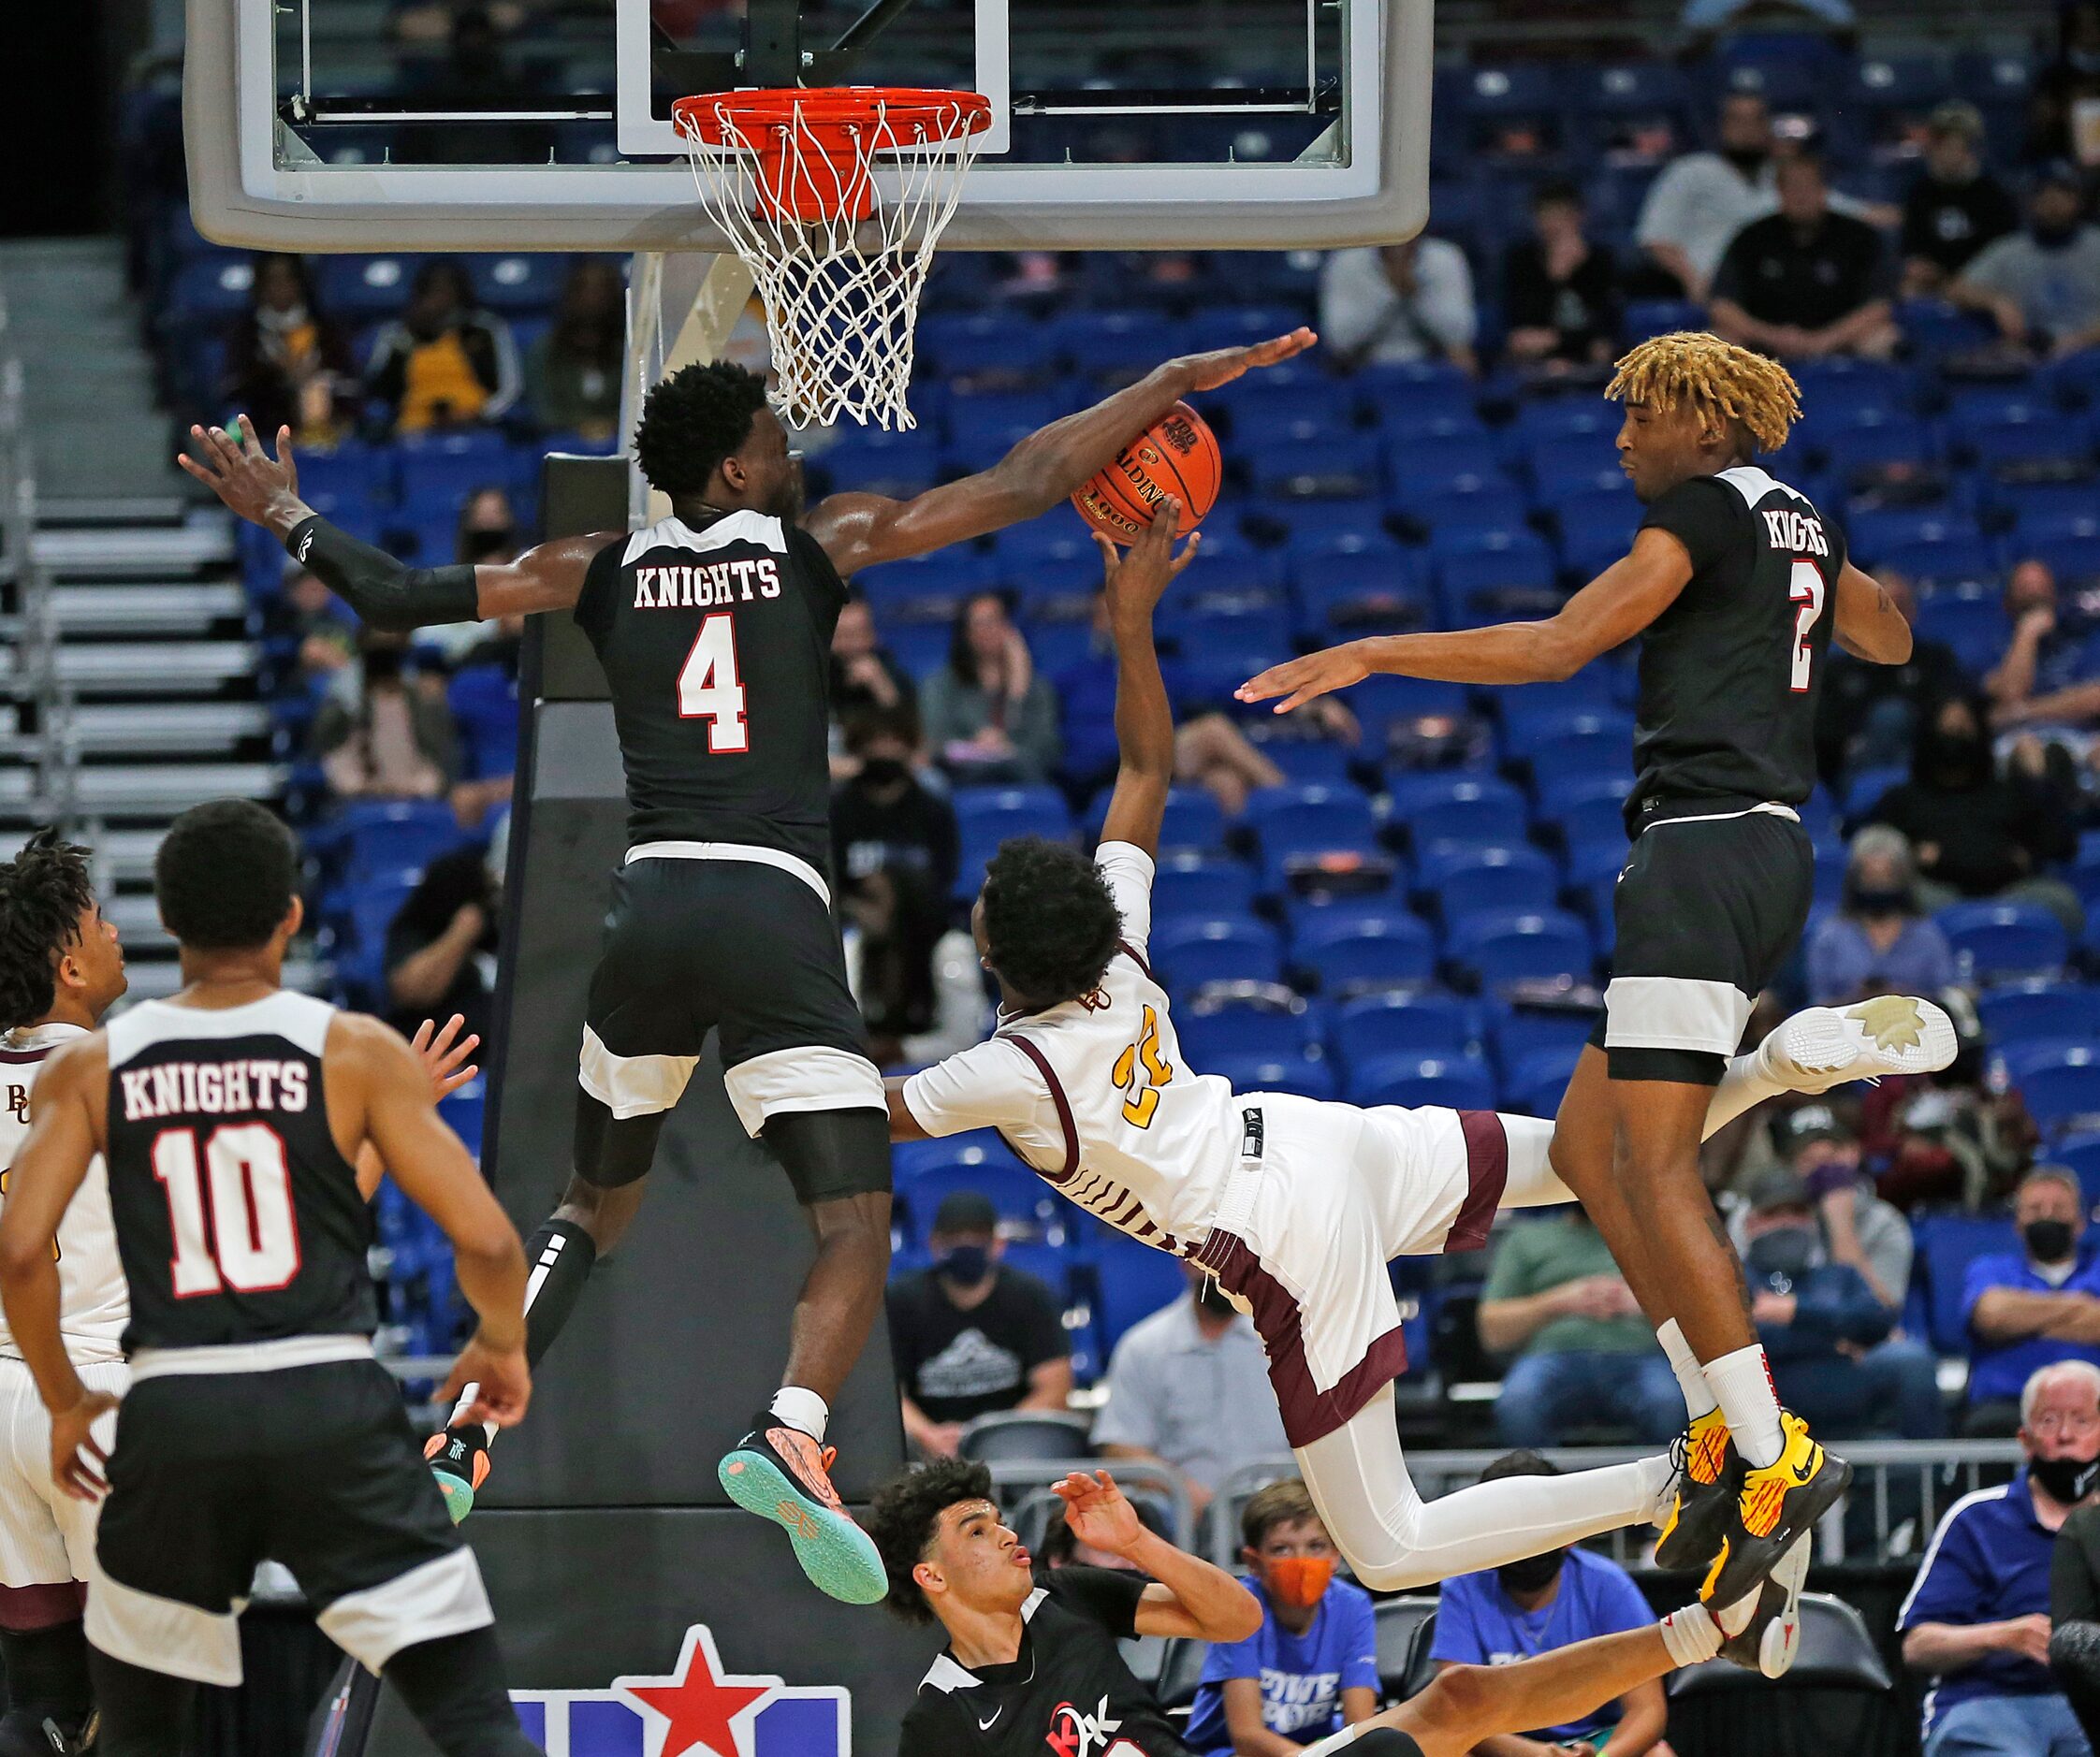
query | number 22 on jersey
(1807,591)
(1141,1073)
(711,689)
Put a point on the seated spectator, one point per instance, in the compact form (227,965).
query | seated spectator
(2047,685)
(1189,1388)
(326,633)
(1526,1608)
(1399,303)
(1973,831)
(970,1335)
(441,947)
(864,673)
(443,363)
(287,363)
(2042,284)
(483,697)
(1956,207)
(1555,1300)
(2032,1308)
(1805,281)
(1977,1617)
(1880,941)
(1822,1322)
(1560,293)
(573,372)
(988,717)
(1702,201)
(885,818)
(394,742)
(2074,1612)
(1312,1668)
(1867,715)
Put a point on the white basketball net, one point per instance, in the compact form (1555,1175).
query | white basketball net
(841,294)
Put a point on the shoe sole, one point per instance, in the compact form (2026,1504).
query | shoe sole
(1780,1643)
(1825,1040)
(839,1558)
(1765,1554)
(457,1493)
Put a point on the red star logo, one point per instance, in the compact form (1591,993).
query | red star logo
(698,1704)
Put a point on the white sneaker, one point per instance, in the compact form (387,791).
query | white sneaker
(1821,1047)
(1763,1633)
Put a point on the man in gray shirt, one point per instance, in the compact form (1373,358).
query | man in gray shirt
(2041,284)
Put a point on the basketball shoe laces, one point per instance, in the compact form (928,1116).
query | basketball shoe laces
(811,1462)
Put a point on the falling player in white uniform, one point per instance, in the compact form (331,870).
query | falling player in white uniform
(1294,1206)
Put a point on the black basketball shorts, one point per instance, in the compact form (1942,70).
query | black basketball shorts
(733,943)
(311,1466)
(1708,908)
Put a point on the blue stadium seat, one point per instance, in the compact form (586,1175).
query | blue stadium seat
(1286,420)
(1022,1200)
(1502,946)
(1214,1028)
(1519,1032)
(354,289)
(999,812)
(2042,437)
(1590,809)
(1194,820)
(1187,954)
(1945,1246)
(1957,561)
(1348,953)
(1530,729)
(1462,880)
(1643,318)
(1864,788)
(390,834)
(1104,344)
(465,1112)
(484,704)
(1510,577)
(1309,761)
(980,429)
(1458,1083)
(1201,884)
(1447,807)
(2080,1154)
(1997,940)
(515,283)
(2074,558)
(1396,1023)
(986,350)
(1307,819)
(1256,623)
(2060,1084)
(2040,1007)
(1425,475)
(439,469)
(1970,620)
(1131,1280)
(1539,1080)
(1875,533)
(211,291)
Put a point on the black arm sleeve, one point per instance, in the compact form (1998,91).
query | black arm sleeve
(1107,1596)
(382,592)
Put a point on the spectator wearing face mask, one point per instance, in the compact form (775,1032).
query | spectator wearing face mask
(1977,1617)
(2031,1308)
(1312,1668)
(1880,942)
(970,1335)
(1529,1607)
(1867,715)
(2041,285)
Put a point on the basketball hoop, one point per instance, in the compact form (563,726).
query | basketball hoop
(790,178)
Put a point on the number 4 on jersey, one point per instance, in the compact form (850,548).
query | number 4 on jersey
(711,689)
(1807,591)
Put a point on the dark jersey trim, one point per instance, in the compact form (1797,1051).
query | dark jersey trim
(1064,1107)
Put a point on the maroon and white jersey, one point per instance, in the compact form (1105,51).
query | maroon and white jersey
(1095,1094)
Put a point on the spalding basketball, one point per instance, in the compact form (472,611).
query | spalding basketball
(1177,455)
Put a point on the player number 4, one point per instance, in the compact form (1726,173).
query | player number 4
(1141,1073)
(1807,591)
(711,689)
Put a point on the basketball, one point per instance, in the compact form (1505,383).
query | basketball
(1177,455)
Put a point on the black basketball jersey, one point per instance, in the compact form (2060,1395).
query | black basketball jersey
(1729,673)
(717,645)
(238,1219)
(1068,1694)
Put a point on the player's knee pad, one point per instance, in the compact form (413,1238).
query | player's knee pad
(831,1154)
(611,1150)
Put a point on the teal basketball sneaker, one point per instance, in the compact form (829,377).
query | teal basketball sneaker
(781,1474)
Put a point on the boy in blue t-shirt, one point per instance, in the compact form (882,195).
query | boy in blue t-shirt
(1529,1607)
(1312,1668)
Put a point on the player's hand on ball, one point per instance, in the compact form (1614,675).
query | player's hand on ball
(232,463)
(1299,680)
(1222,366)
(1099,1513)
(445,1055)
(84,1477)
(503,1383)
(1137,580)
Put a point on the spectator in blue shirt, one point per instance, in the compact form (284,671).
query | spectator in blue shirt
(1880,941)
(2029,1308)
(1529,1607)
(1978,1619)
(1312,1668)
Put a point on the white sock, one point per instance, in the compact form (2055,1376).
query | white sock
(802,1410)
(1531,1181)
(1742,1388)
(1691,1378)
(1749,1081)
(1690,1635)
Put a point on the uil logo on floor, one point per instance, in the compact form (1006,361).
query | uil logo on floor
(697,1709)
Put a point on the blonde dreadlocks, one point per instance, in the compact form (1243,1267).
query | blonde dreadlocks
(1715,377)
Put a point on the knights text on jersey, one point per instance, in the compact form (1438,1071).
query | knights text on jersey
(1096,1095)
(716,644)
(1067,1694)
(93,1307)
(1729,673)
(237,1219)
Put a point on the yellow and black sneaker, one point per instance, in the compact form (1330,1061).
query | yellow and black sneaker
(1773,1506)
(1709,1475)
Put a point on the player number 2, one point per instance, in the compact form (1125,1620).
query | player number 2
(711,689)
(1141,1073)
(1807,592)
(244,1197)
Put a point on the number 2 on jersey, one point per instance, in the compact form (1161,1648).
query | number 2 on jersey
(252,1245)
(1141,1073)
(711,689)
(1807,591)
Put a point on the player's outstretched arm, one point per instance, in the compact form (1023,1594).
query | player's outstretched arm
(444,1056)
(377,1083)
(1610,610)
(1188,1596)
(1135,582)
(264,490)
(858,531)
(1869,626)
(65,1134)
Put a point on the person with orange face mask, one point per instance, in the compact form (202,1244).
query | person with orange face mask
(1312,1668)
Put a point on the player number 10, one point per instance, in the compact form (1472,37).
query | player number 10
(1808,588)
(250,1243)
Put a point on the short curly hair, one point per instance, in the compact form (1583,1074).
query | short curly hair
(1050,919)
(905,1515)
(694,419)
(225,875)
(43,893)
